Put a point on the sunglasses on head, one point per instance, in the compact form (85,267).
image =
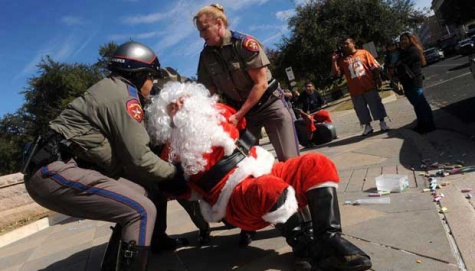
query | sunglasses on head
(218,6)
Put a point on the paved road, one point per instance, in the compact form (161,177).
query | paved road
(450,86)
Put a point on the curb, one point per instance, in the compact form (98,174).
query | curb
(32,228)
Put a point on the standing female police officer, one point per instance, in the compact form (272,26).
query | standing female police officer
(234,65)
(97,139)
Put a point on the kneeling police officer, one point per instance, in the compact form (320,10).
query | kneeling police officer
(95,161)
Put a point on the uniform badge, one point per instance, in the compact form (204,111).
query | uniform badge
(135,110)
(251,44)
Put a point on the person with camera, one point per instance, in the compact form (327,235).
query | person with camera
(362,73)
(95,161)
(409,72)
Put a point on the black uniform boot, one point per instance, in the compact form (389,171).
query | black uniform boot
(245,238)
(193,210)
(204,237)
(160,240)
(332,252)
(109,260)
(133,257)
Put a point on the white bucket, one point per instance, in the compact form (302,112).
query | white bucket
(392,183)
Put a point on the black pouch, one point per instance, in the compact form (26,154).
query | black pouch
(48,151)
(28,152)
(47,154)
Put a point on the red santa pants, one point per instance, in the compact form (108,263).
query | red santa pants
(254,197)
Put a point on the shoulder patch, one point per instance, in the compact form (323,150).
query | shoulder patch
(237,35)
(135,110)
(250,44)
(132,91)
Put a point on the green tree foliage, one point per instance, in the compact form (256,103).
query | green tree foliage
(12,140)
(105,51)
(318,25)
(57,85)
(45,97)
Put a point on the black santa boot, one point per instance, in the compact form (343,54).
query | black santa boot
(298,233)
(333,252)
(109,260)
(299,236)
(133,257)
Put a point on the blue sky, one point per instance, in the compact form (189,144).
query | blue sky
(72,31)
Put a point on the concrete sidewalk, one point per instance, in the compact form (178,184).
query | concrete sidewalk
(409,233)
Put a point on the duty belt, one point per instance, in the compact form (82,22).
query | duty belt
(45,150)
(217,172)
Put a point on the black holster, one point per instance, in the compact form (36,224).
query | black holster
(45,150)
(133,257)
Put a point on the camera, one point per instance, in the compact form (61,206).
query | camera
(338,51)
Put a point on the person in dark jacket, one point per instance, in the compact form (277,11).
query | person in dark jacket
(409,72)
(310,100)
(309,105)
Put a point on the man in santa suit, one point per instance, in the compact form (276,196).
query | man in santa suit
(243,184)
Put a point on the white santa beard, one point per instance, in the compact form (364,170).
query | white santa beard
(196,130)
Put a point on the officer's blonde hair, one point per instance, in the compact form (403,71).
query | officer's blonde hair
(215,11)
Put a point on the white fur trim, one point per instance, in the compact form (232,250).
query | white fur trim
(250,166)
(284,212)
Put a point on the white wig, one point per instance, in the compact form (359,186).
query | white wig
(195,128)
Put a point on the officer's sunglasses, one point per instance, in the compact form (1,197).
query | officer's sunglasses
(151,77)
(217,6)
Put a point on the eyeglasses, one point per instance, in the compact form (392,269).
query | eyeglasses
(155,90)
(150,76)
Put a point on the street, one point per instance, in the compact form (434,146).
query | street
(449,86)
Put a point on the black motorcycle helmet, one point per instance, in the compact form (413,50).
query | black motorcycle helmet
(133,58)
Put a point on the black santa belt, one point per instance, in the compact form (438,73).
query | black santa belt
(217,172)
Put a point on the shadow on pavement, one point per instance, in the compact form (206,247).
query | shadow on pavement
(459,67)
(223,253)
(408,156)
(458,57)
(82,260)
(465,109)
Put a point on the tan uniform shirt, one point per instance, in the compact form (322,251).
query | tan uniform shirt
(107,129)
(225,68)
